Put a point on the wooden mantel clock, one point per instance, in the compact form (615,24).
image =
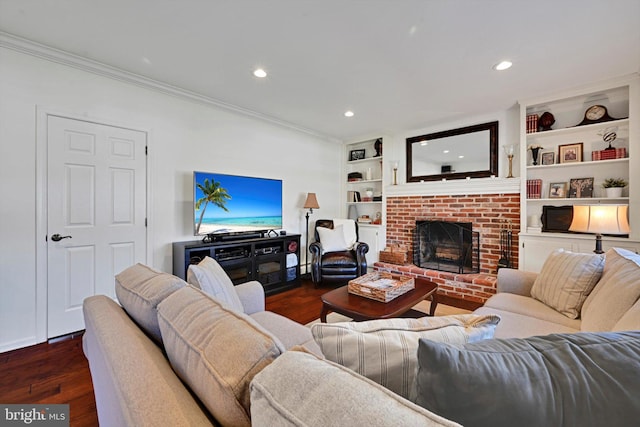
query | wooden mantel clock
(595,114)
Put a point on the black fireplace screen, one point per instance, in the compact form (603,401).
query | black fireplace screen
(446,246)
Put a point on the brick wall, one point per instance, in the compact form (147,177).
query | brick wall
(488,214)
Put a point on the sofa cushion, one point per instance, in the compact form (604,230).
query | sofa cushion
(517,325)
(566,279)
(630,321)
(212,279)
(298,389)
(529,307)
(132,379)
(385,351)
(581,379)
(617,291)
(332,240)
(140,289)
(216,351)
(289,333)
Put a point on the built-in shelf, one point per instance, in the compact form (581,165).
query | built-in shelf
(372,167)
(364,181)
(577,164)
(622,99)
(576,129)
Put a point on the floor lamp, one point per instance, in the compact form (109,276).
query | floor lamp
(600,219)
(311,203)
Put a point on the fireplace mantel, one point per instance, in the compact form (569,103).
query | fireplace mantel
(458,187)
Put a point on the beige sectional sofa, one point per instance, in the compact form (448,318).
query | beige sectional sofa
(202,362)
(605,296)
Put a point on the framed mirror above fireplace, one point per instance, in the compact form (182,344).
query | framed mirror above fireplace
(470,151)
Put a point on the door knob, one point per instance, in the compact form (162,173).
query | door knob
(56,237)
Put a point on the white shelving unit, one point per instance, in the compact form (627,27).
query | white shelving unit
(622,99)
(371,167)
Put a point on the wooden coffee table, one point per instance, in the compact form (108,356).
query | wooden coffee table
(360,308)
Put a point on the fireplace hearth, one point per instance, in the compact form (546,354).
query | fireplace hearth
(446,246)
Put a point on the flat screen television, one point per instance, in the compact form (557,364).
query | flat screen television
(224,204)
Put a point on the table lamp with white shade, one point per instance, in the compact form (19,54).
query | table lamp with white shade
(600,219)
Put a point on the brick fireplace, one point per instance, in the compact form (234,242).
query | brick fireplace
(488,214)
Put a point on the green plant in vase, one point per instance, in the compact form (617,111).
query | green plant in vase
(613,187)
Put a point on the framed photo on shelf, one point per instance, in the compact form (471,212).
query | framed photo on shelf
(557,190)
(580,188)
(570,153)
(356,155)
(549,158)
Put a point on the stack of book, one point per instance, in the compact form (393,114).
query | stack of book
(532,123)
(609,154)
(534,188)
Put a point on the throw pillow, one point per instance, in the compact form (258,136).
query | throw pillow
(216,351)
(580,379)
(332,240)
(140,289)
(386,351)
(212,279)
(566,279)
(617,291)
(348,231)
(298,389)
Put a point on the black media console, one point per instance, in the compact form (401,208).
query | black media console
(273,261)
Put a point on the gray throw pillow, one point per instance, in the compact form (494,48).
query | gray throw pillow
(581,379)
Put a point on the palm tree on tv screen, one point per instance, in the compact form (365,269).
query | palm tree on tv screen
(213,193)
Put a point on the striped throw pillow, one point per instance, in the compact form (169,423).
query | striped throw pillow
(386,351)
(566,279)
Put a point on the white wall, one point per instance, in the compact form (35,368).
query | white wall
(184,136)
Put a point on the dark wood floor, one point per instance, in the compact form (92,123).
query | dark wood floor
(59,373)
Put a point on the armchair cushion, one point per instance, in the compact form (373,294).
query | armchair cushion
(213,280)
(332,240)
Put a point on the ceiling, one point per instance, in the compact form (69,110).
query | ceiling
(398,64)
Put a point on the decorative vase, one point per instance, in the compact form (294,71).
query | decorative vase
(534,155)
(613,192)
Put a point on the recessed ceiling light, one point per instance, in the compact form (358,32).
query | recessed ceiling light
(445,151)
(259,72)
(461,157)
(504,65)
(348,113)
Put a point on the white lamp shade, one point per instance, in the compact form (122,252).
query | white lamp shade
(600,219)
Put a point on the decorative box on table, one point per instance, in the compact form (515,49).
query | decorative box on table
(381,286)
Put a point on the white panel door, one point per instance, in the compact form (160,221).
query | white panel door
(96,204)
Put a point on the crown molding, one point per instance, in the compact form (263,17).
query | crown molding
(38,50)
